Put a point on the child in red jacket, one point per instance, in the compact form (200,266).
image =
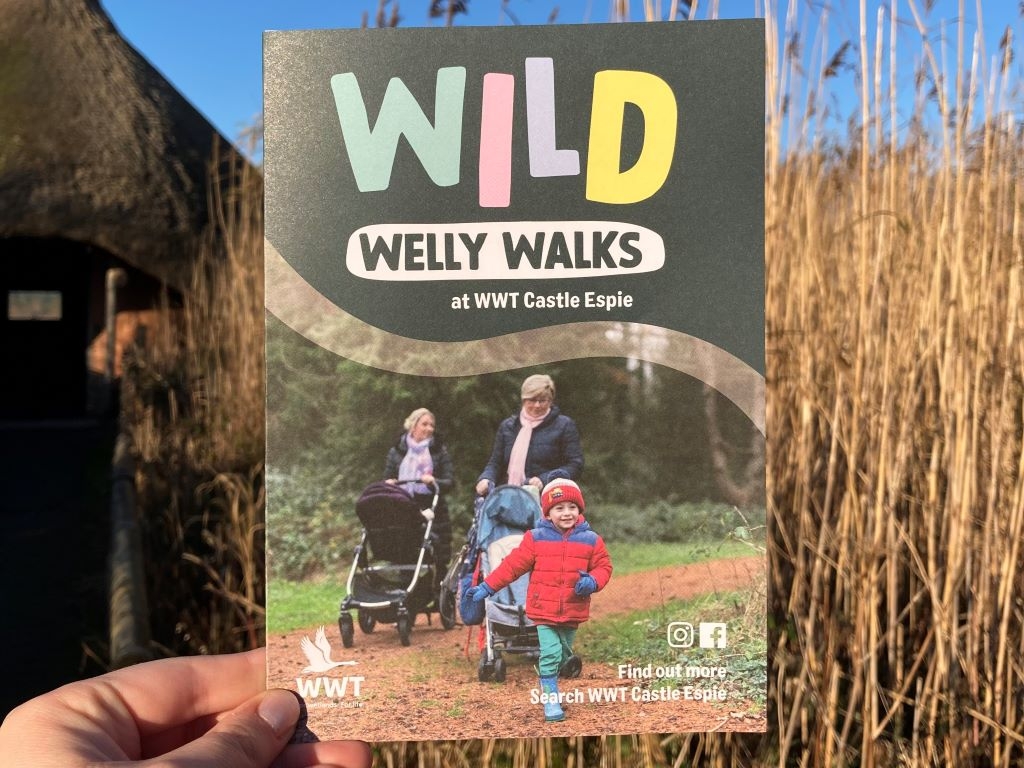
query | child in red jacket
(567,562)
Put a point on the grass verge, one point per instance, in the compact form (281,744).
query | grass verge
(298,604)
(294,605)
(641,638)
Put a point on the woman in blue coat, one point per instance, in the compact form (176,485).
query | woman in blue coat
(535,446)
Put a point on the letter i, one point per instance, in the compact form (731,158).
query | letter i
(496,141)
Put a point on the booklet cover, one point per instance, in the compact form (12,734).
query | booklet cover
(515,379)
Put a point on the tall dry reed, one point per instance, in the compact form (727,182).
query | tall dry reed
(895,337)
(896,386)
(193,403)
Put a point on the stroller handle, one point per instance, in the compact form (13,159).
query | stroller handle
(528,487)
(434,487)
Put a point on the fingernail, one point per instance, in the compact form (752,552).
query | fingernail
(280,710)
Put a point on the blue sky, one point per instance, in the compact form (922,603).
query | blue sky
(211,49)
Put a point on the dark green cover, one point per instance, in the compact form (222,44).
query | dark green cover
(546,194)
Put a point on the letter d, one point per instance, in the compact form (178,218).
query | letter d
(612,89)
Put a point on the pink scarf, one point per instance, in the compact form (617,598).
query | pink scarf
(517,459)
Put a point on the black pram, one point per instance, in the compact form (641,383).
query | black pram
(393,576)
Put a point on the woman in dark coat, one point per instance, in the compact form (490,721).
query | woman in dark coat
(417,460)
(535,446)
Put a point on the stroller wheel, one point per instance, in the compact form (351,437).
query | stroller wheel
(347,631)
(404,628)
(485,669)
(366,621)
(499,670)
(446,607)
(571,667)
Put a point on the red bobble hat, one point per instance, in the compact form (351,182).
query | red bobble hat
(558,491)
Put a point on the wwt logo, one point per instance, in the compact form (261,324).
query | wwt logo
(318,654)
(330,686)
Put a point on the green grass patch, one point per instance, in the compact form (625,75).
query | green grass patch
(293,605)
(297,604)
(633,557)
(641,638)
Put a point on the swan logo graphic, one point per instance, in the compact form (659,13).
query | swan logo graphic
(318,654)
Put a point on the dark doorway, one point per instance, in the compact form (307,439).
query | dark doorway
(54,513)
(44,306)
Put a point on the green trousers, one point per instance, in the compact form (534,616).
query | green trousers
(555,647)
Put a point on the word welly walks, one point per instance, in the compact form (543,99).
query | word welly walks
(516,250)
(457,250)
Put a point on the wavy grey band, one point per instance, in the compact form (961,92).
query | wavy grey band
(307,312)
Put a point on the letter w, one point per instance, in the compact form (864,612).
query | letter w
(308,689)
(372,152)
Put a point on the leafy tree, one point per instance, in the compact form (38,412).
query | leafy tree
(643,426)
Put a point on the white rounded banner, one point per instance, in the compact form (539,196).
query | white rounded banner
(503,250)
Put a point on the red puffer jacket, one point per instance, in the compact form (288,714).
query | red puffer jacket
(554,560)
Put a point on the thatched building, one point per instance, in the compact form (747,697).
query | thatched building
(103,166)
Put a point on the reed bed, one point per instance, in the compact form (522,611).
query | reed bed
(896,385)
(193,404)
(895,336)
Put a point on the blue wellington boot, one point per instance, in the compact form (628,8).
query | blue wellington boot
(552,709)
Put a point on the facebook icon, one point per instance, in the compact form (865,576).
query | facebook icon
(713,634)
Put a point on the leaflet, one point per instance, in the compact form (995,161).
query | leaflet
(515,379)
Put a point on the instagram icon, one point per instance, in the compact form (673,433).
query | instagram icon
(680,634)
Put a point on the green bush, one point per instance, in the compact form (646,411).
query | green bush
(681,522)
(312,529)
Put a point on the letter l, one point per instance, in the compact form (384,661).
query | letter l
(545,159)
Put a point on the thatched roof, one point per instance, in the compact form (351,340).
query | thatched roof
(95,145)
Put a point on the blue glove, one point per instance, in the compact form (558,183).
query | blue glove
(480,592)
(471,611)
(586,585)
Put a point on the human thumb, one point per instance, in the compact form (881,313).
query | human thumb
(249,737)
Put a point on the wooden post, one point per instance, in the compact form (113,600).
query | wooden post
(115,278)
(129,609)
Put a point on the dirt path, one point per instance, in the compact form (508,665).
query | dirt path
(430,690)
